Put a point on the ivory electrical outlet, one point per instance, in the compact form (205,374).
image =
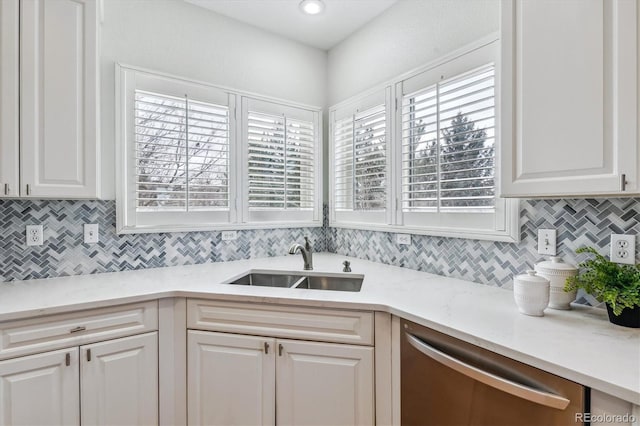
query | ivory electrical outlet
(229,235)
(35,235)
(623,249)
(403,239)
(547,241)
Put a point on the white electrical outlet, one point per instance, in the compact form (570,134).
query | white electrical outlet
(623,249)
(547,241)
(35,235)
(403,239)
(91,233)
(229,235)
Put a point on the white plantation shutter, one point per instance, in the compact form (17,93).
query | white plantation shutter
(281,154)
(360,161)
(182,154)
(448,144)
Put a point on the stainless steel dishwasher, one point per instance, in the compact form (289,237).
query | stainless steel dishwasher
(445,381)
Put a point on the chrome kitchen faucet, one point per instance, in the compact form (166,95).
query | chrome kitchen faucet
(306,251)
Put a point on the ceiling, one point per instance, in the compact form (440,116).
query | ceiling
(339,19)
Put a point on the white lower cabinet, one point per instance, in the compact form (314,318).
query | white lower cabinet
(324,384)
(119,381)
(107,383)
(231,379)
(247,380)
(40,389)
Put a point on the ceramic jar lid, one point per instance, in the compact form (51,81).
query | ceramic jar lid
(531,278)
(556,266)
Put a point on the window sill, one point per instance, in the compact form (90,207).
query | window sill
(215,227)
(470,234)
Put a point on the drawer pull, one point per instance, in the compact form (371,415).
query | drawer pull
(89,355)
(67,360)
(77,329)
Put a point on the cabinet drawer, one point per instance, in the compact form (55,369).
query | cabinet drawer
(49,332)
(281,321)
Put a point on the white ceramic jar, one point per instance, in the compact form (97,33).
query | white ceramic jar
(531,293)
(557,272)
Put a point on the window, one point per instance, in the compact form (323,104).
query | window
(448,145)
(182,154)
(283,162)
(181,157)
(441,176)
(360,157)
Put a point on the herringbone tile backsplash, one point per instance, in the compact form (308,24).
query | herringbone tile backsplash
(64,252)
(579,222)
(586,222)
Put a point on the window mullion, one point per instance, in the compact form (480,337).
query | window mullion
(438,148)
(186,149)
(353,160)
(284,120)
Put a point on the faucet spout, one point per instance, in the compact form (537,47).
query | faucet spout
(306,251)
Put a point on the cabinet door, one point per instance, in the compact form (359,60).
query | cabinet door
(119,381)
(568,97)
(230,379)
(59,98)
(40,389)
(9,97)
(324,384)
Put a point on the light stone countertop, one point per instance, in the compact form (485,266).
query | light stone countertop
(580,345)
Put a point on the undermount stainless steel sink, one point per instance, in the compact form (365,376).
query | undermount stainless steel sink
(307,281)
(313,282)
(267,279)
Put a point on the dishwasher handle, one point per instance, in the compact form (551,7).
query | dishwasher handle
(489,379)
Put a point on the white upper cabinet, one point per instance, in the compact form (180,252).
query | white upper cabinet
(59,132)
(568,98)
(9,97)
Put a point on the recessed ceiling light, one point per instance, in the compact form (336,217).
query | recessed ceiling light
(311,7)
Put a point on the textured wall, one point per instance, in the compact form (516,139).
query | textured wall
(578,222)
(64,252)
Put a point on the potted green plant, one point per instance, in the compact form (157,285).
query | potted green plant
(615,284)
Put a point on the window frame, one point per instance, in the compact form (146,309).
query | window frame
(502,225)
(285,216)
(129,221)
(381,96)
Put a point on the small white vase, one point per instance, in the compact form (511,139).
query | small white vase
(531,293)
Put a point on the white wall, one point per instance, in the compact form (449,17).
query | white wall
(409,34)
(179,38)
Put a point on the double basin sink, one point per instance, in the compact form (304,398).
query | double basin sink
(309,281)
